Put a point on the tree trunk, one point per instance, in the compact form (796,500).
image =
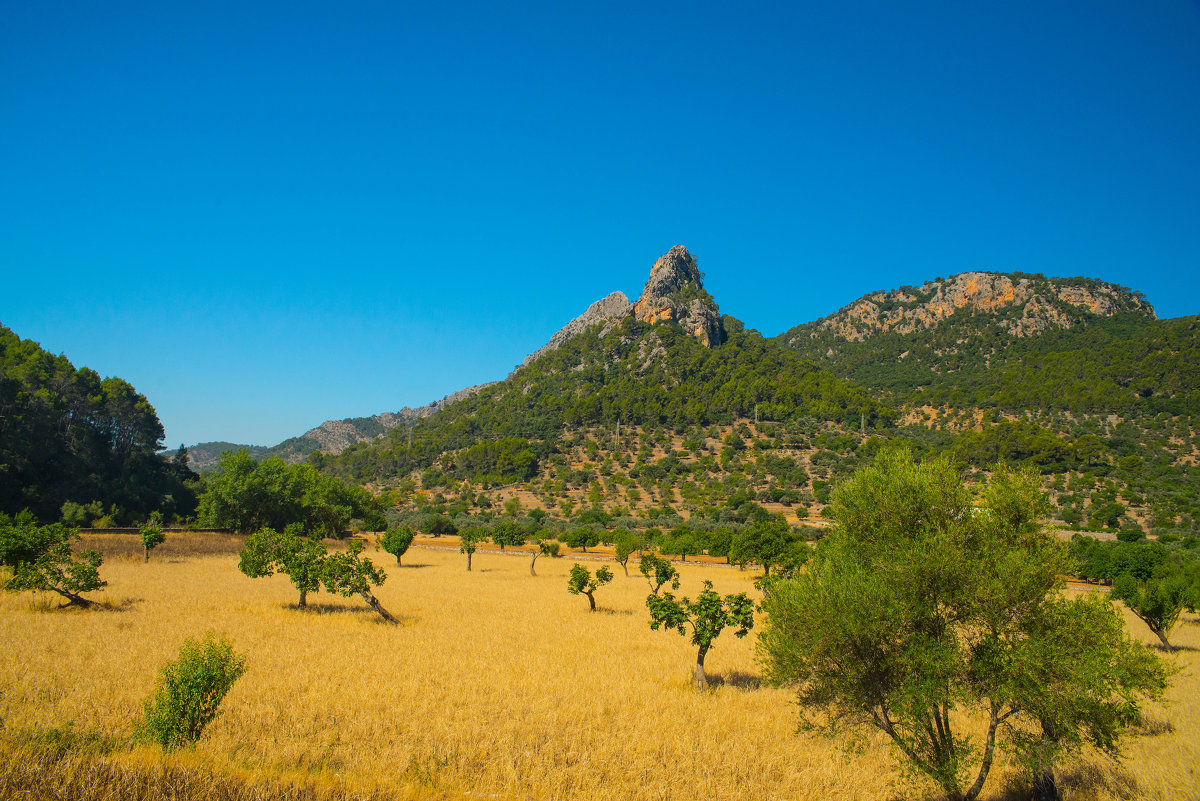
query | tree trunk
(397,559)
(468,562)
(626,566)
(74,600)
(303,599)
(373,602)
(1042,786)
(989,750)
(1162,637)
(145,554)
(592,602)
(700,679)
(533,561)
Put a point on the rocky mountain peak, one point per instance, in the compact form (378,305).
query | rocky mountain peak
(612,307)
(675,292)
(1022,304)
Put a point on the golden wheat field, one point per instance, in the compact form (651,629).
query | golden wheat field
(495,685)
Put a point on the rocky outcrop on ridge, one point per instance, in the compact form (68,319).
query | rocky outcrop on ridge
(613,307)
(675,292)
(1023,305)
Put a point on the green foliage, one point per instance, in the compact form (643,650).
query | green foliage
(69,437)
(269,551)
(152,536)
(396,541)
(707,616)
(247,495)
(922,601)
(41,560)
(769,543)
(506,532)
(189,691)
(582,581)
(469,539)
(658,571)
(1172,586)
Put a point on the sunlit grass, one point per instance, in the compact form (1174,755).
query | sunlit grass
(495,683)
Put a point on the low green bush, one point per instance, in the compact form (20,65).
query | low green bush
(189,690)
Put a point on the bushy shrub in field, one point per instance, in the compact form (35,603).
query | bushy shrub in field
(189,690)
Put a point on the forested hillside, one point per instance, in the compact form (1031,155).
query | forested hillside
(75,445)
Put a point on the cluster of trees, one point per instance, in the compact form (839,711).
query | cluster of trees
(310,565)
(70,437)
(247,496)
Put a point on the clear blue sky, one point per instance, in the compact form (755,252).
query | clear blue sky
(267,215)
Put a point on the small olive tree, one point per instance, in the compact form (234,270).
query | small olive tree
(397,540)
(582,581)
(507,532)
(468,541)
(625,543)
(152,536)
(348,573)
(268,551)
(1171,588)
(545,547)
(41,560)
(658,571)
(707,616)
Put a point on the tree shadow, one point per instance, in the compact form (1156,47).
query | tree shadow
(1150,726)
(603,611)
(737,679)
(1091,779)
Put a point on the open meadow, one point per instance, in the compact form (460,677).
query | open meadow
(496,684)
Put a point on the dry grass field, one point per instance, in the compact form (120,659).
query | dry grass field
(496,685)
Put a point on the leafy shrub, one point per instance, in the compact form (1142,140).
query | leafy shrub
(189,690)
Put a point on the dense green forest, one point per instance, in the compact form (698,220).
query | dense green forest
(70,438)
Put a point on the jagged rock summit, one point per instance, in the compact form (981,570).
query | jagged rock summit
(613,307)
(675,291)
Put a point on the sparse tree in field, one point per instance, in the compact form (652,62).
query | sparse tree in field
(658,571)
(152,535)
(41,560)
(582,581)
(437,525)
(764,542)
(506,532)
(624,545)
(545,547)
(922,602)
(267,552)
(397,540)
(469,539)
(707,617)
(1172,587)
(348,573)
(582,538)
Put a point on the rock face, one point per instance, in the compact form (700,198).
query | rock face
(613,307)
(675,292)
(1023,305)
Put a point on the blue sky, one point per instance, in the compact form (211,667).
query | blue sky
(267,215)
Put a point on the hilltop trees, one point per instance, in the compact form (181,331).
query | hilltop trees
(41,560)
(707,616)
(922,602)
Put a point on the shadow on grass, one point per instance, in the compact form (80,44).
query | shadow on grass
(737,679)
(604,611)
(360,611)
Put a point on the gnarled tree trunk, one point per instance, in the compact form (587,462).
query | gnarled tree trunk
(373,602)
(699,677)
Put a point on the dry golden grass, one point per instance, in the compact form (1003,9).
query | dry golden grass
(497,684)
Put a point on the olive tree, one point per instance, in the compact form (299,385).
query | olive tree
(397,540)
(268,551)
(507,532)
(41,560)
(582,581)
(926,601)
(545,547)
(1158,600)
(707,616)
(152,537)
(624,544)
(348,573)
(658,571)
(468,541)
